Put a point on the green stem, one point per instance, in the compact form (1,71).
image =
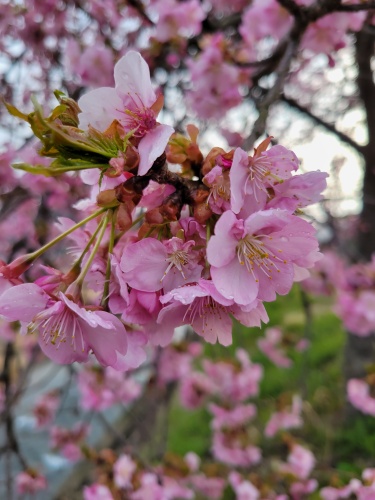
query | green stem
(77,265)
(72,168)
(208,236)
(108,269)
(34,255)
(103,226)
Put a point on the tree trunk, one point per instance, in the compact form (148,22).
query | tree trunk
(360,351)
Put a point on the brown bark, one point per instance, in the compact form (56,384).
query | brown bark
(366,87)
(360,351)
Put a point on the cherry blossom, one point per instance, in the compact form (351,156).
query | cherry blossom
(133,103)
(67,331)
(255,257)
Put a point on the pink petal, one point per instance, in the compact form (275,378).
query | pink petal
(152,146)
(135,355)
(99,108)
(238,175)
(64,353)
(106,344)
(184,294)
(215,325)
(92,318)
(250,317)
(23,302)
(221,248)
(235,282)
(170,317)
(144,263)
(133,82)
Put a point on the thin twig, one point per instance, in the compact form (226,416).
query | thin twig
(319,121)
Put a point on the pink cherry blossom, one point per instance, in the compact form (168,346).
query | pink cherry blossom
(328,34)
(45,409)
(102,388)
(270,346)
(160,488)
(255,257)
(218,181)
(233,448)
(143,310)
(210,487)
(358,392)
(327,275)
(154,194)
(194,389)
(215,82)
(264,18)
(234,381)
(175,362)
(68,441)
(97,492)
(331,493)
(207,311)
(150,265)
(285,419)
(30,482)
(244,490)
(178,19)
(298,191)
(124,469)
(251,176)
(301,462)
(301,488)
(131,103)
(67,331)
(231,418)
(357,310)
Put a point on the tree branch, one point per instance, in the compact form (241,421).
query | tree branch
(328,126)
(274,92)
(356,7)
(291,7)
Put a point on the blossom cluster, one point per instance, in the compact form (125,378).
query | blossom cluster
(353,288)
(213,238)
(228,389)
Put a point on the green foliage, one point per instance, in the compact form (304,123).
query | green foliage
(316,374)
(60,137)
(189,431)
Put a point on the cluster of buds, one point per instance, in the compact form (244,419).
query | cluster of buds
(199,243)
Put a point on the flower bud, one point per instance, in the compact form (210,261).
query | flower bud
(107,198)
(202,213)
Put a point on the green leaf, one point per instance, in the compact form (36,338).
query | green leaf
(35,169)
(59,167)
(15,111)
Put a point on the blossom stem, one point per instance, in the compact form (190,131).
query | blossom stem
(103,226)
(34,255)
(74,271)
(108,269)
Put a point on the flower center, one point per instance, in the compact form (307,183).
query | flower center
(57,325)
(202,307)
(259,172)
(221,188)
(177,259)
(252,253)
(142,120)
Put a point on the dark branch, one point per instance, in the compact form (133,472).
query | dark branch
(273,94)
(328,126)
(322,8)
(356,7)
(138,6)
(291,7)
